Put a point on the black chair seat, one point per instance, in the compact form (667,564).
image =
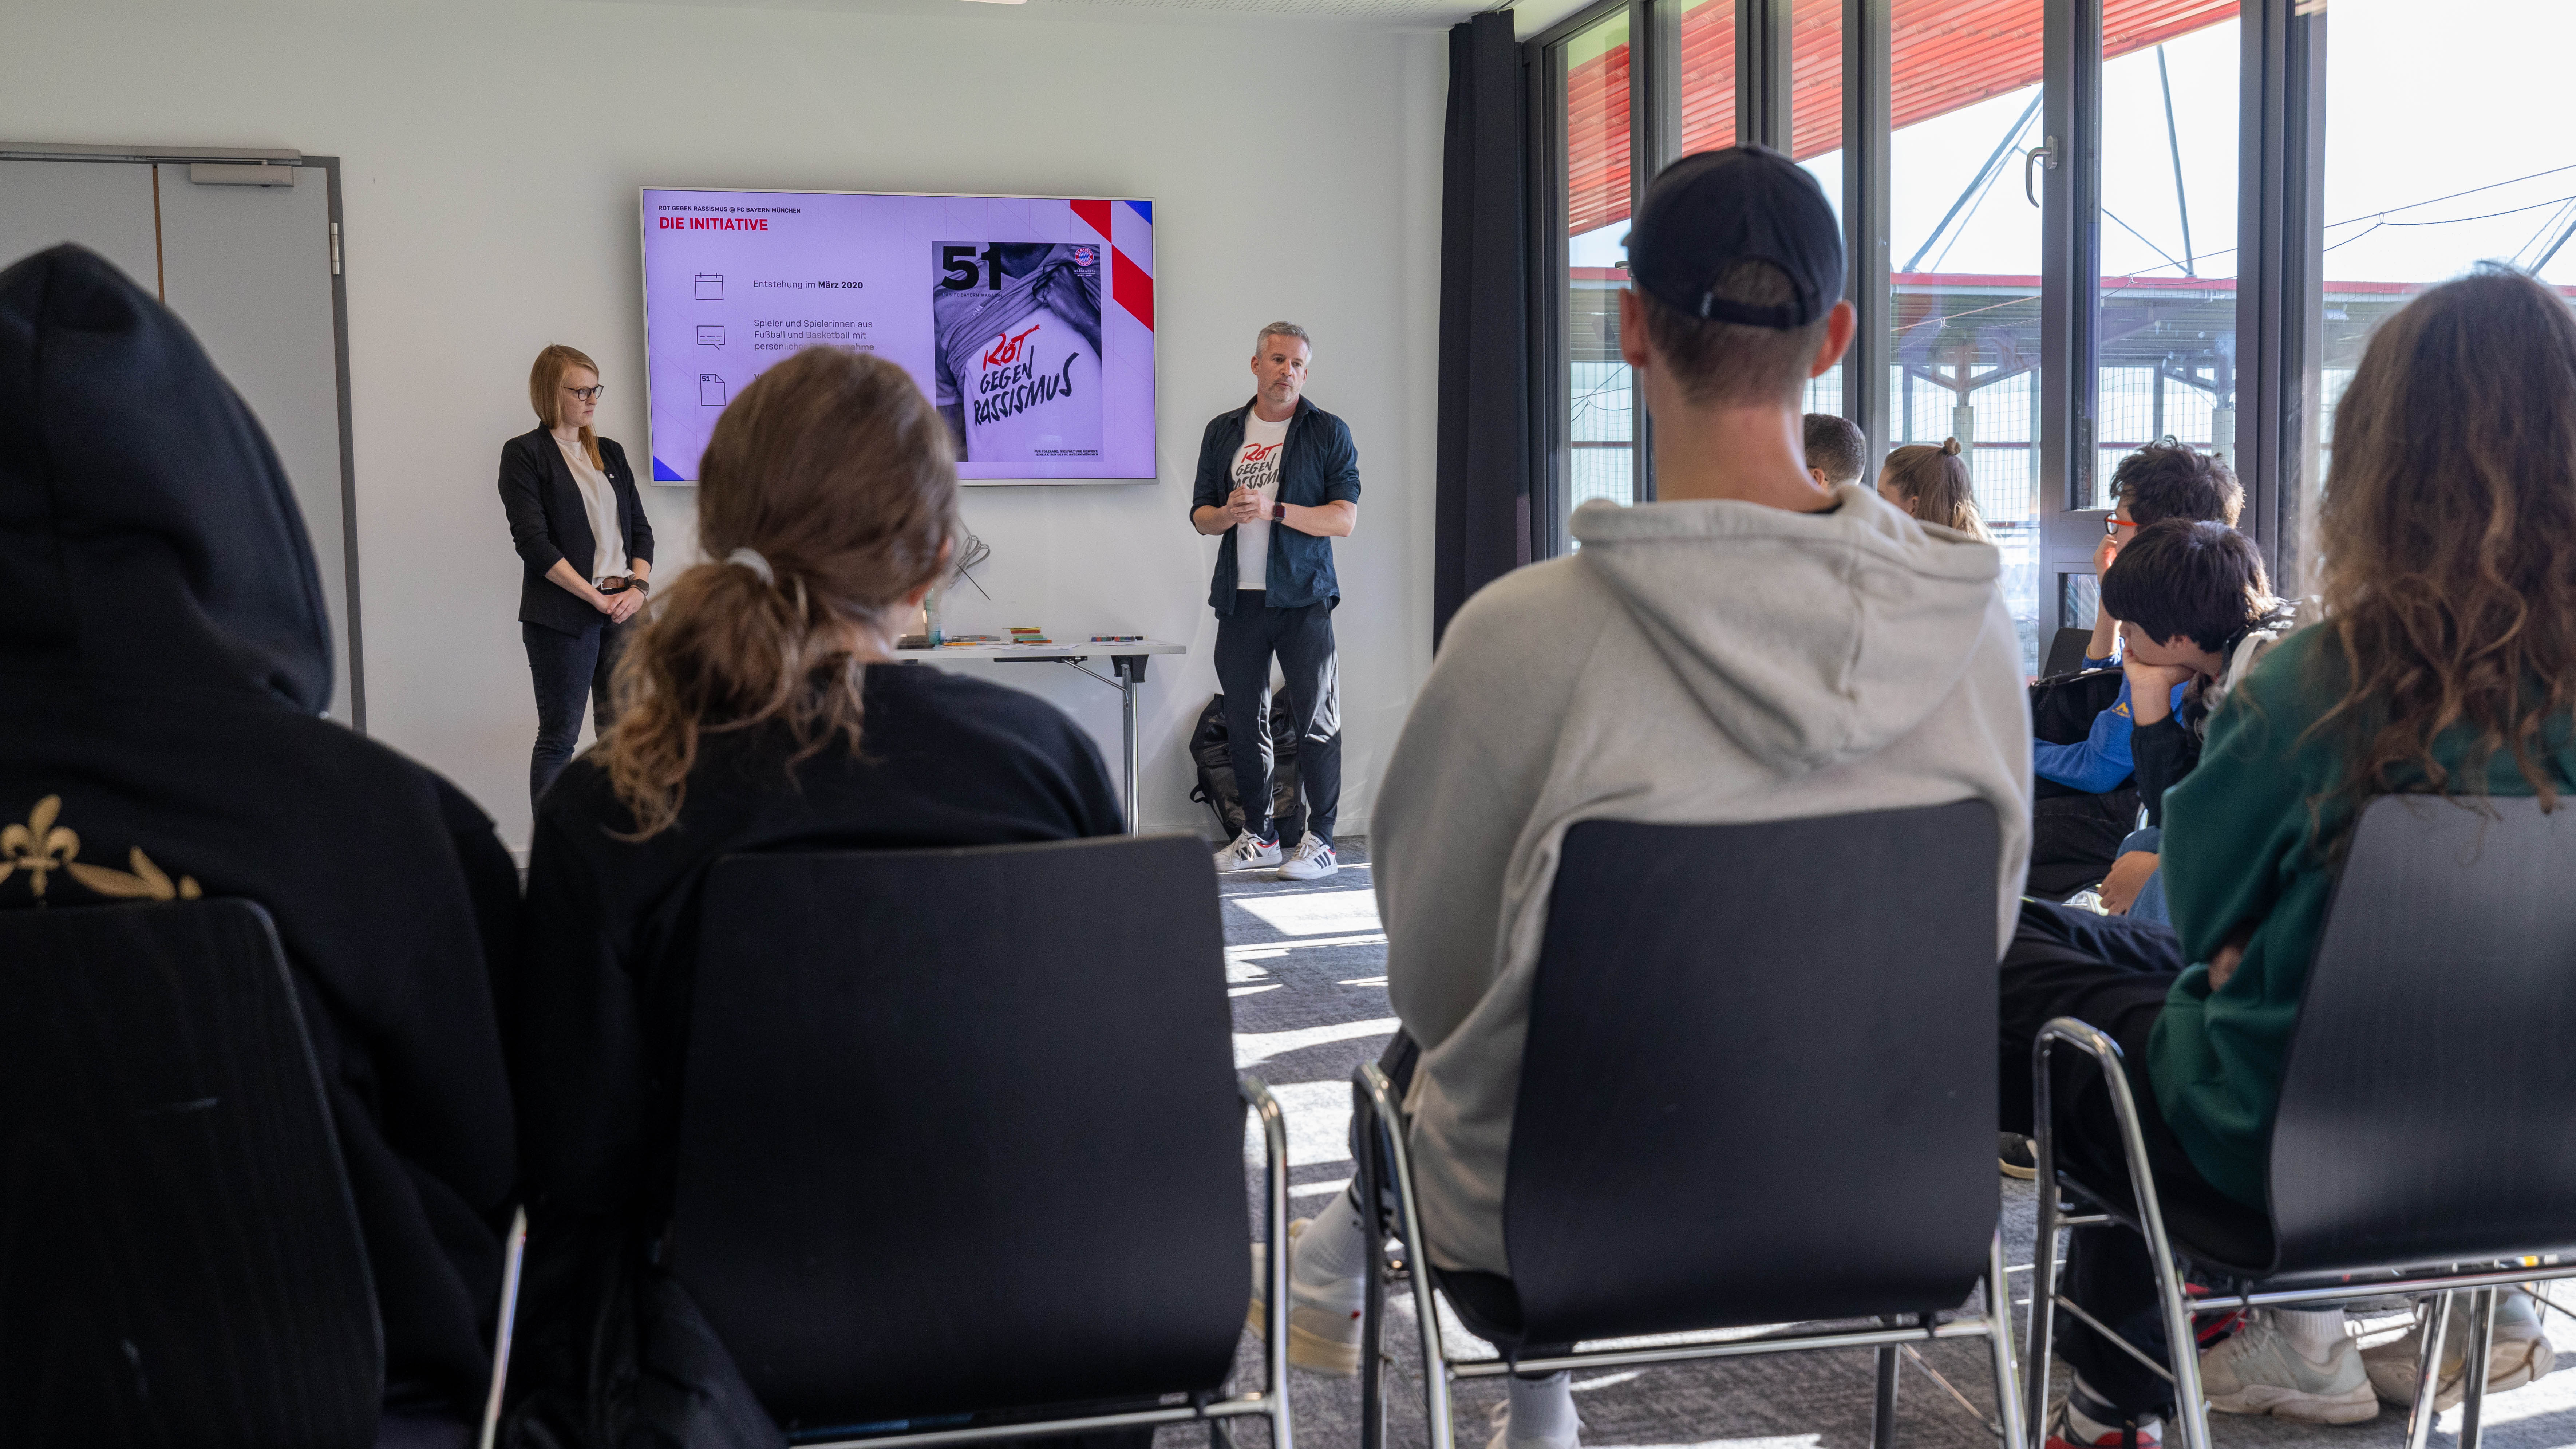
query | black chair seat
(1725,1068)
(2210,1228)
(183,1261)
(1714,1099)
(908,1072)
(2066,652)
(1487,1303)
(2426,1122)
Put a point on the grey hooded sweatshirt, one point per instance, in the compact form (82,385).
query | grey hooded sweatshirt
(1696,663)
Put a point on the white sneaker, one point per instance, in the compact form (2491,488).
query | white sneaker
(2259,1371)
(2522,1353)
(1323,1326)
(1504,1438)
(1247,853)
(1311,860)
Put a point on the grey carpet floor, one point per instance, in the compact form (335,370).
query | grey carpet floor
(1307,970)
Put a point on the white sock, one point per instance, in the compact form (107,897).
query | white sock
(2315,1334)
(2517,1316)
(1332,1254)
(1541,1409)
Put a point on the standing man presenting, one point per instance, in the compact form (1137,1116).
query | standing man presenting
(1278,477)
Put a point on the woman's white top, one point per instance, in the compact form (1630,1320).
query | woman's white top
(599,499)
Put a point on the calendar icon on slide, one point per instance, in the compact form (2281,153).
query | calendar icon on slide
(710,390)
(710,286)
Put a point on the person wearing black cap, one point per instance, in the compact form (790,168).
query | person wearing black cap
(165,659)
(1752,646)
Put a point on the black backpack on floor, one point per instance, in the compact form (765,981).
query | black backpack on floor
(1215,759)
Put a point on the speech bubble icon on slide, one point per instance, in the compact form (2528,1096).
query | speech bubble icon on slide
(711,336)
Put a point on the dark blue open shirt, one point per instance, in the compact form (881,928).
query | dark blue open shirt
(1320,466)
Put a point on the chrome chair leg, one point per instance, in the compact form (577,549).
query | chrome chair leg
(2182,1346)
(2182,1349)
(2428,1372)
(2043,1266)
(1999,1344)
(2473,1365)
(1372,1283)
(1882,1409)
(1274,1313)
(511,1266)
(1435,1362)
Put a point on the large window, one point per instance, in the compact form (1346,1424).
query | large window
(2166,341)
(1963,314)
(1816,130)
(2057,222)
(1703,42)
(2408,205)
(1601,419)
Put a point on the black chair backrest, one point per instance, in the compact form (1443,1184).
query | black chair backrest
(1760,1078)
(924,1091)
(2428,1105)
(180,1264)
(2066,652)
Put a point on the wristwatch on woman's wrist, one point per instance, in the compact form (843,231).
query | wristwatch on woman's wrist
(1278,512)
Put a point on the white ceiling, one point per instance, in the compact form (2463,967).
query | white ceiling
(1529,16)
(1441,12)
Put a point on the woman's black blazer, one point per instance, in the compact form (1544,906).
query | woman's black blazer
(548,522)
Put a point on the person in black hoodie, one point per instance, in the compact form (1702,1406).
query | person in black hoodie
(756,712)
(165,659)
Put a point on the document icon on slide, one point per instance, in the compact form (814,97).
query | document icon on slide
(710,390)
(711,335)
(710,286)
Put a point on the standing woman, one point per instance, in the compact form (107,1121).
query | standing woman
(588,549)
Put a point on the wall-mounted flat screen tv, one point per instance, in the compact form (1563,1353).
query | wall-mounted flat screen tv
(1029,321)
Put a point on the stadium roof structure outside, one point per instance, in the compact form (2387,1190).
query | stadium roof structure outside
(1944,55)
(2182,328)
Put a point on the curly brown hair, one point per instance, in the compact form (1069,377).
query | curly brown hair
(2448,535)
(836,470)
(2175,480)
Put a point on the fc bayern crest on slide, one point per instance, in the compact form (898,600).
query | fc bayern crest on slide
(1082,256)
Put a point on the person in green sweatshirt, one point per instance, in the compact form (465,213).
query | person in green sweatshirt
(2443,661)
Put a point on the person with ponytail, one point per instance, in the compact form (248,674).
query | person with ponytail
(758,710)
(1931,483)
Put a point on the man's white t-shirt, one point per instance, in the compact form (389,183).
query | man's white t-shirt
(1256,465)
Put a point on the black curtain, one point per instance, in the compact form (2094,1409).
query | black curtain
(1487,463)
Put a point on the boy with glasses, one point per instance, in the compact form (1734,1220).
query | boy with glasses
(2159,481)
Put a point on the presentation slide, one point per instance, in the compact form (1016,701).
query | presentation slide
(1028,321)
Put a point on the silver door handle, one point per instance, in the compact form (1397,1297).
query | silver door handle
(2037,156)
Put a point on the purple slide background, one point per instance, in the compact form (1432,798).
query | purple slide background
(877,252)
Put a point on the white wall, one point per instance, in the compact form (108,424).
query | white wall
(491,150)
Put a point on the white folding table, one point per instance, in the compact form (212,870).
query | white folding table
(1127,670)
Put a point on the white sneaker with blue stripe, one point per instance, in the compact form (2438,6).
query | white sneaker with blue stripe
(1311,860)
(1248,852)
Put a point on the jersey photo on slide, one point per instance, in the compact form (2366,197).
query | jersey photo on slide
(1017,333)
